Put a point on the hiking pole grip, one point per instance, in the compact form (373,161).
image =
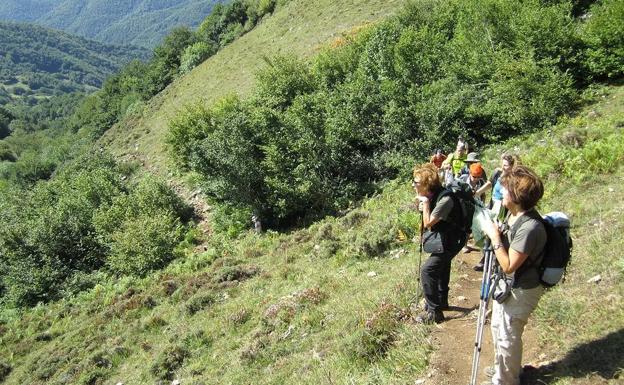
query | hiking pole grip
(487,269)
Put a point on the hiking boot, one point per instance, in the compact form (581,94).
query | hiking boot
(430,317)
(489,371)
(478,267)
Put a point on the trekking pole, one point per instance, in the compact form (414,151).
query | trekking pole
(420,244)
(486,290)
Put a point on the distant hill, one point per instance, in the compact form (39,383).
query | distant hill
(38,61)
(132,22)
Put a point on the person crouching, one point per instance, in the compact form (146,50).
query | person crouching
(443,238)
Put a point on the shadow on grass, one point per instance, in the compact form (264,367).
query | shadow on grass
(603,357)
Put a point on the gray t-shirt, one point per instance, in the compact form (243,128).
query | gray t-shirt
(529,238)
(443,208)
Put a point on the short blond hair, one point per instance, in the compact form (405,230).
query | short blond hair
(428,175)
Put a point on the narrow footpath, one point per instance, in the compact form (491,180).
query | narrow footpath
(454,340)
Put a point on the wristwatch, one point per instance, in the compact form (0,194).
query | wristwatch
(497,246)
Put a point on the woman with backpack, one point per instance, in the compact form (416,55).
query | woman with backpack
(441,215)
(496,198)
(519,250)
(507,163)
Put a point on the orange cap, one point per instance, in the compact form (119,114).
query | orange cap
(476,171)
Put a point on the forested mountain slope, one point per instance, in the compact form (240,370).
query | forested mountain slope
(333,303)
(134,22)
(38,61)
(106,276)
(299,28)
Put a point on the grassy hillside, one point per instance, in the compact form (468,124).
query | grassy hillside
(138,22)
(39,62)
(232,69)
(331,303)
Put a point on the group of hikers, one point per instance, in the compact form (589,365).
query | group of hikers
(517,238)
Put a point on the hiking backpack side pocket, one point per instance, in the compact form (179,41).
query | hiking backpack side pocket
(558,249)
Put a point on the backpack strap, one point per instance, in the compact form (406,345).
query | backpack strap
(497,174)
(452,223)
(531,214)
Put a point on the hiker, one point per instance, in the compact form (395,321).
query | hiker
(507,163)
(471,158)
(475,179)
(441,215)
(257,224)
(456,161)
(518,251)
(437,158)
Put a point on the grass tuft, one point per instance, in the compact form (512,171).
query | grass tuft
(170,360)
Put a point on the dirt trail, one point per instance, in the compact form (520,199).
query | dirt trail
(453,340)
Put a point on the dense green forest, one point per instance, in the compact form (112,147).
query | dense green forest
(137,22)
(40,62)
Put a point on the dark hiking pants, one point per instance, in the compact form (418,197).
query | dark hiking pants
(435,276)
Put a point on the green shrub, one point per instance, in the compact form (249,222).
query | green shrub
(231,220)
(319,135)
(542,94)
(281,81)
(373,242)
(170,360)
(57,234)
(5,370)
(409,222)
(199,302)
(151,195)
(143,244)
(80,281)
(375,337)
(604,35)
(5,119)
(355,217)
(194,55)
(6,153)
(265,6)
(49,232)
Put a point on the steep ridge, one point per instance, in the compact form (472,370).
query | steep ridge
(231,70)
